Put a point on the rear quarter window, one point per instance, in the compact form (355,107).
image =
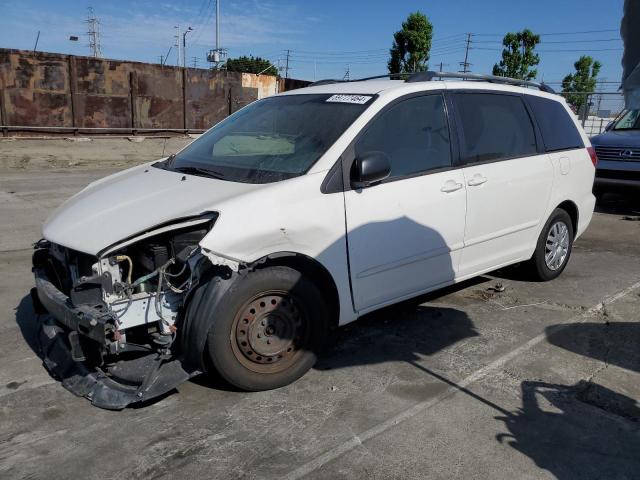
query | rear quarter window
(558,130)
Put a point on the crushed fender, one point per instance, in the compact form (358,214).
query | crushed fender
(215,259)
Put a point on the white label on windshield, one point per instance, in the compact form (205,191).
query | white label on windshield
(357,99)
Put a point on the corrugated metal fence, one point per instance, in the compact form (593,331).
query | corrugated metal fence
(48,92)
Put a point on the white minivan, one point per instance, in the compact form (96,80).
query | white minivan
(299,213)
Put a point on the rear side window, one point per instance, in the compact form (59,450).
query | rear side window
(494,127)
(558,130)
(414,134)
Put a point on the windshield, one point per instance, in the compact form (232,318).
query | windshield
(629,121)
(272,139)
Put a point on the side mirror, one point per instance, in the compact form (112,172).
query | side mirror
(609,126)
(370,168)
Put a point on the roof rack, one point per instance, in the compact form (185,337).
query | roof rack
(430,76)
(329,81)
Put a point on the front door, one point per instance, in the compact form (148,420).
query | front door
(405,234)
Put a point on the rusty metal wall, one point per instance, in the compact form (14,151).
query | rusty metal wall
(54,90)
(211,95)
(286,84)
(34,93)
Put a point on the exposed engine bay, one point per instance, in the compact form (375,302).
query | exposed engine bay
(118,313)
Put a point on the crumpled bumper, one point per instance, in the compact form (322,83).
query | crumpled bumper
(71,334)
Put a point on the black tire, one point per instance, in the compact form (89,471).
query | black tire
(537,266)
(268,329)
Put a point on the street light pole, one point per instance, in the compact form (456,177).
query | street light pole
(184,46)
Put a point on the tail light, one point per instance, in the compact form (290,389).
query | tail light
(593,155)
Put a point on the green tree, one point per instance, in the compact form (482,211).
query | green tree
(411,45)
(576,86)
(518,56)
(251,64)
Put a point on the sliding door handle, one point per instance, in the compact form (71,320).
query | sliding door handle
(451,186)
(476,180)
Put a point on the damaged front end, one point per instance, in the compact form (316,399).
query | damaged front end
(115,318)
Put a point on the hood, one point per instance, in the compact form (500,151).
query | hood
(617,138)
(132,201)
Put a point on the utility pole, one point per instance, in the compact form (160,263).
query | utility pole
(441,65)
(177,45)
(93,31)
(195,62)
(36,46)
(166,57)
(161,57)
(218,55)
(465,65)
(184,46)
(217,25)
(286,67)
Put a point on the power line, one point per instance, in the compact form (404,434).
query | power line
(598,40)
(204,6)
(585,50)
(561,42)
(382,52)
(584,32)
(205,16)
(341,52)
(579,33)
(449,36)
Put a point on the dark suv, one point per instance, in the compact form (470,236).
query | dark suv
(618,151)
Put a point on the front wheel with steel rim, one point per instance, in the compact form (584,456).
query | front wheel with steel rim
(268,329)
(554,247)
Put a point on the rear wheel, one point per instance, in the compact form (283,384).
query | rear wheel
(554,247)
(268,329)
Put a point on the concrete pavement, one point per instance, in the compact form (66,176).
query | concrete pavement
(539,381)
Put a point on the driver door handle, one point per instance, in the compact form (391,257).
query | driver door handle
(451,186)
(476,180)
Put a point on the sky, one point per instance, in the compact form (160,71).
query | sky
(325,38)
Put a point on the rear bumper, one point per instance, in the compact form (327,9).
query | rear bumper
(616,184)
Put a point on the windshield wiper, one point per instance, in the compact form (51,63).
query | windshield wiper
(164,164)
(205,172)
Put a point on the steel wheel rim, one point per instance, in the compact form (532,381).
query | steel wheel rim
(270,332)
(557,246)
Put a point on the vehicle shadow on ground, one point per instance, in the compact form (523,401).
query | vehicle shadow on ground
(408,330)
(618,204)
(28,321)
(614,343)
(403,332)
(585,430)
(566,432)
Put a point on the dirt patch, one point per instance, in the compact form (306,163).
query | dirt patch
(56,153)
